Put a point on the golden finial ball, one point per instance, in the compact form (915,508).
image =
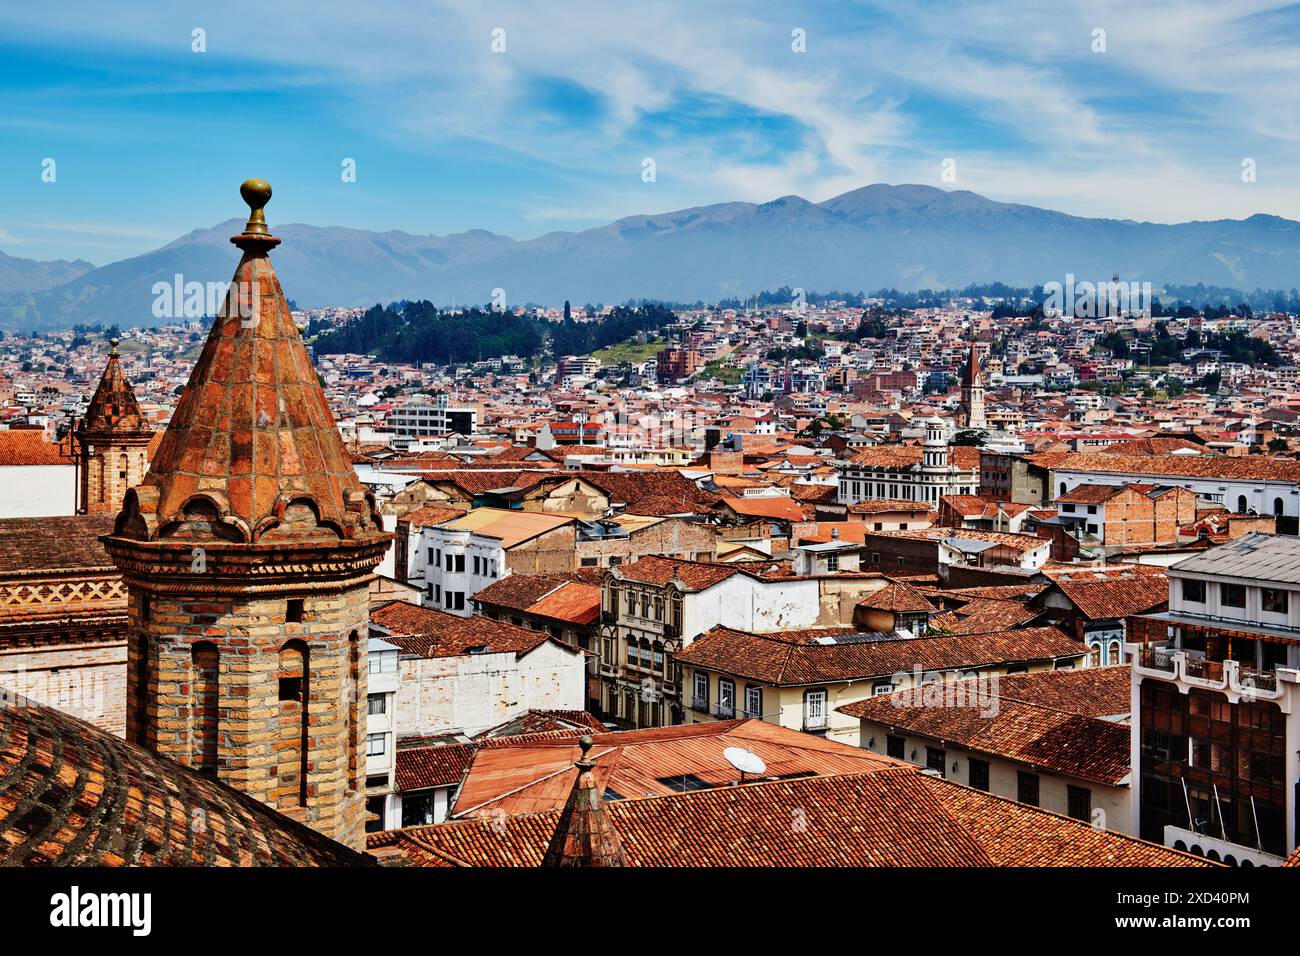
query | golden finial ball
(256,192)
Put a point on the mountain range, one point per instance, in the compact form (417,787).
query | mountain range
(905,237)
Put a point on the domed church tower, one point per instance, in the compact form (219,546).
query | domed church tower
(112,443)
(247,552)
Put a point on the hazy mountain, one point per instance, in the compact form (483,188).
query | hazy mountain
(905,237)
(31,275)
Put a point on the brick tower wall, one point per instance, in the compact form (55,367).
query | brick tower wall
(201,665)
(108,473)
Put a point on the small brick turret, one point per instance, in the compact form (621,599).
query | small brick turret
(112,443)
(247,552)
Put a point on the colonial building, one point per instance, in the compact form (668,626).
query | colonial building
(656,606)
(802,679)
(906,472)
(247,552)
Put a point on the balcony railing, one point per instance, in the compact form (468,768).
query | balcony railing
(1158,659)
(725,712)
(1252,679)
(813,722)
(1202,668)
(700,703)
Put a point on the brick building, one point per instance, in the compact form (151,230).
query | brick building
(1119,516)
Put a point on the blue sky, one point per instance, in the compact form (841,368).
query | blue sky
(151,139)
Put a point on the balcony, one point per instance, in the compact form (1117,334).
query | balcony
(813,723)
(1232,677)
(609,617)
(725,712)
(701,704)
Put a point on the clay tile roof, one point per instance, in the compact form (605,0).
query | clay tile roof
(572,602)
(427,632)
(886,817)
(772,658)
(419,768)
(71,794)
(691,575)
(777,506)
(65,543)
(252,435)
(27,446)
(897,596)
(430,515)
(113,407)
(1090,494)
(1245,467)
(882,505)
(979,616)
(527,776)
(1115,597)
(1091,691)
(519,592)
(1060,742)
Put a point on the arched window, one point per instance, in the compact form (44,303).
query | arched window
(1241,504)
(122,467)
(1113,657)
(1278,507)
(204,703)
(1062,487)
(295,700)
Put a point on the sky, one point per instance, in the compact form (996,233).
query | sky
(526,117)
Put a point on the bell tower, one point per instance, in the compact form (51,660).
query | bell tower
(112,443)
(972,392)
(247,552)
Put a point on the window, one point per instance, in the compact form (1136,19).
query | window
(979,774)
(459,601)
(1079,803)
(935,759)
(290,688)
(376,704)
(814,710)
(754,702)
(1092,509)
(832,562)
(1274,600)
(1232,595)
(894,747)
(701,691)
(588,562)
(375,745)
(607,651)
(460,562)
(293,611)
(875,557)
(726,698)
(477,564)
(1027,788)
(1193,591)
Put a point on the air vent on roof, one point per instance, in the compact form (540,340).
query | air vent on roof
(477,649)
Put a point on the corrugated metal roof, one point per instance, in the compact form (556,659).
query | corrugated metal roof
(1261,557)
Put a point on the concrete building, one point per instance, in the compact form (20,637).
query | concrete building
(1216,683)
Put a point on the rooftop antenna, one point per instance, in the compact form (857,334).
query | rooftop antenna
(746,761)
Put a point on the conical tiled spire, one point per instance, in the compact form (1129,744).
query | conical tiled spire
(113,407)
(585,834)
(252,450)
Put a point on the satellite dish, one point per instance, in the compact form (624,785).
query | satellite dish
(746,761)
